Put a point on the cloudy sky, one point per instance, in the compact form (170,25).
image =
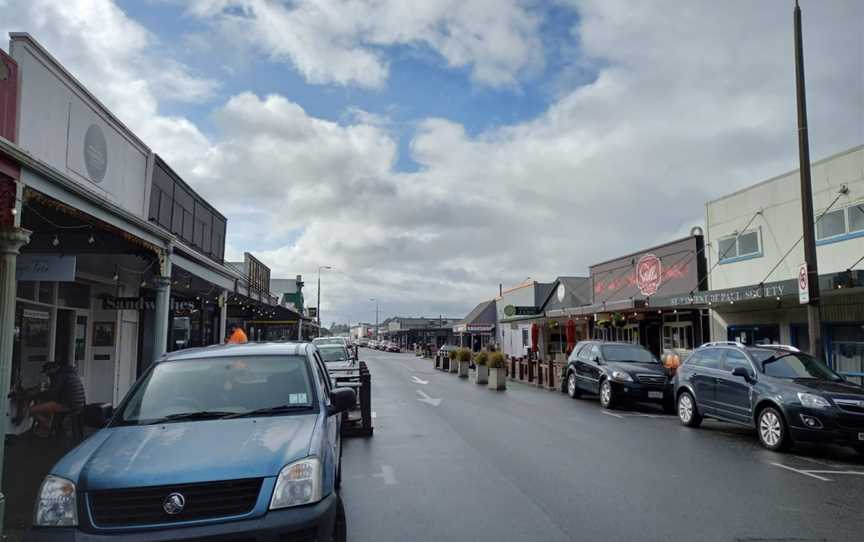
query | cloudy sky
(429,150)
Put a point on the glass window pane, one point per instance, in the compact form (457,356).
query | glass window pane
(73,294)
(833,223)
(748,243)
(734,359)
(46,292)
(711,358)
(727,248)
(856,218)
(26,289)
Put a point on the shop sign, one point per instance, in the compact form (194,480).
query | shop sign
(733,295)
(45,267)
(515,310)
(111,302)
(649,274)
(803,285)
(479,327)
(31,314)
(668,270)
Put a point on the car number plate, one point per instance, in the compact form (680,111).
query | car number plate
(861,436)
(657,395)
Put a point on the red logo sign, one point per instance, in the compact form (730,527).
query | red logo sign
(649,274)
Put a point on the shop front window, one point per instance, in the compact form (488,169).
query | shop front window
(26,289)
(847,351)
(73,294)
(755,335)
(678,336)
(32,343)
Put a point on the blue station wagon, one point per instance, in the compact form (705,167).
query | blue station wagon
(237,442)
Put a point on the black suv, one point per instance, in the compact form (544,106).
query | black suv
(785,394)
(618,372)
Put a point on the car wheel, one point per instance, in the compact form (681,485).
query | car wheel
(687,411)
(572,386)
(607,395)
(340,530)
(772,430)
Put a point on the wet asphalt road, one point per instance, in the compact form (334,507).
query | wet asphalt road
(530,464)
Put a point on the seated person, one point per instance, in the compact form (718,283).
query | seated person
(65,394)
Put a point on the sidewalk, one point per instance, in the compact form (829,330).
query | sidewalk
(28,460)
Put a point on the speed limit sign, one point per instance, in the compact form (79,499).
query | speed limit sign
(803,285)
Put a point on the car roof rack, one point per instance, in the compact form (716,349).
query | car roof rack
(722,343)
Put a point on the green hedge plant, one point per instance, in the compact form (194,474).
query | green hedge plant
(496,360)
(463,354)
(481,358)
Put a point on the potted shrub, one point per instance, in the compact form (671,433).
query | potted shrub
(481,373)
(464,357)
(453,361)
(496,371)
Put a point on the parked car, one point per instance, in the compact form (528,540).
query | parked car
(786,395)
(618,373)
(237,441)
(341,365)
(393,347)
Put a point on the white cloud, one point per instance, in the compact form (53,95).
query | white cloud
(344,42)
(692,101)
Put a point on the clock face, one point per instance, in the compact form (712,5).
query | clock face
(561,292)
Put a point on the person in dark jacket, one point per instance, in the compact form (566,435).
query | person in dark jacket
(65,394)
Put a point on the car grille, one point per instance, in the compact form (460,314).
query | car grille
(851,422)
(651,380)
(143,506)
(850,405)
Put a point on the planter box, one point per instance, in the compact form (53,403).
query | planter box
(481,375)
(463,368)
(497,380)
(453,365)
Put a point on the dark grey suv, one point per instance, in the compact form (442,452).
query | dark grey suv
(786,395)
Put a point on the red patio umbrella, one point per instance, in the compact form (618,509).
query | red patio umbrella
(570,329)
(535,335)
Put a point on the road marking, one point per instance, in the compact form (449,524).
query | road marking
(804,472)
(857,473)
(387,474)
(823,463)
(374,414)
(419,381)
(424,398)
(612,414)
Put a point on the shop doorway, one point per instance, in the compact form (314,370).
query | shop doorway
(64,333)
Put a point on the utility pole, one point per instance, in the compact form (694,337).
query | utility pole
(318,306)
(814,319)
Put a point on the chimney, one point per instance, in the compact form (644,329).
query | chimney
(8,96)
(500,289)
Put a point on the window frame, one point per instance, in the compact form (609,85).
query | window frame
(738,256)
(843,212)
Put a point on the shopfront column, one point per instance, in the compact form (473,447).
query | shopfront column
(223,316)
(11,240)
(160,323)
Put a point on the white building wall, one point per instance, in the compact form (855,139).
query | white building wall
(779,224)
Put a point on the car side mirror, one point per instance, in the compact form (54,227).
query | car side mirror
(341,399)
(742,372)
(596,359)
(98,415)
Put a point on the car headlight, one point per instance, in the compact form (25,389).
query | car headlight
(298,483)
(813,401)
(621,376)
(56,504)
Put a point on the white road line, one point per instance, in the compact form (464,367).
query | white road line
(811,460)
(804,472)
(857,473)
(424,398)
(619,416)
(419,381)
(374,414)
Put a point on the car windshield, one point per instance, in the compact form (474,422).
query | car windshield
(627,353)
(319,342)
(213,388)
(793,365)
(333,353)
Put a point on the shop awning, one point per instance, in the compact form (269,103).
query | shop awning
(220,275)
(480,319)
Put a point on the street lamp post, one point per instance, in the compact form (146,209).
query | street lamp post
(318,306)
(376,317)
